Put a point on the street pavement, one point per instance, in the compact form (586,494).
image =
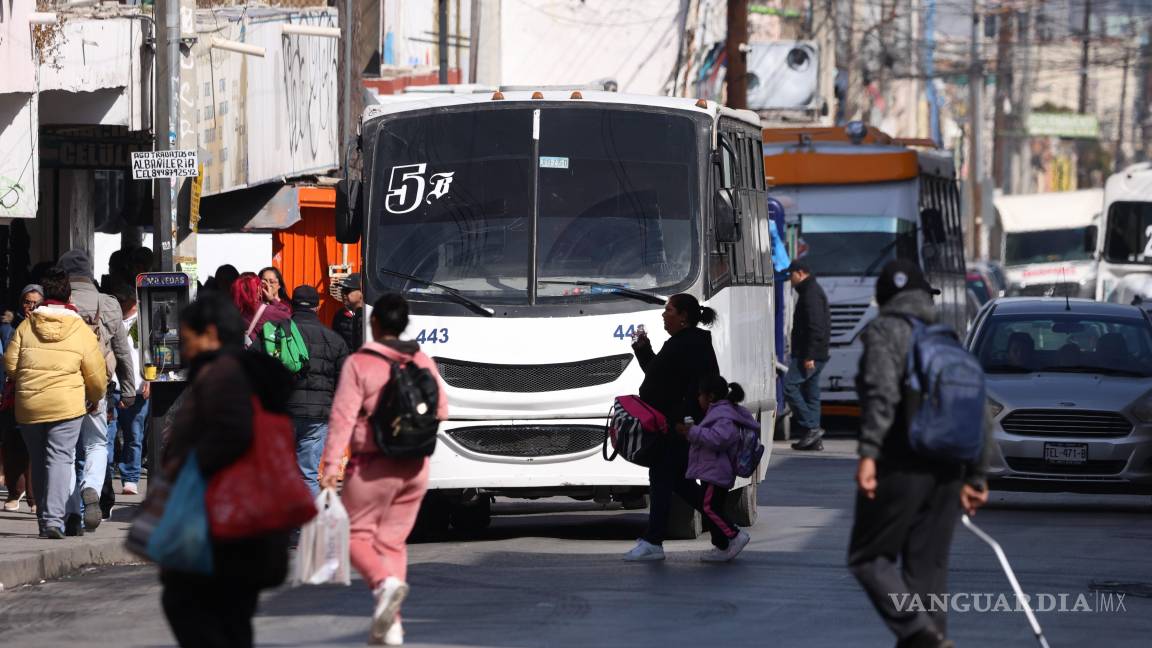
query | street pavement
(548,574)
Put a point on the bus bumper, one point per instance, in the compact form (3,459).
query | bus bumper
(499,455)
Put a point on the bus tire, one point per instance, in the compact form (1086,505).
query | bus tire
(684,522)
(473,516)
(434,518)
(741,506)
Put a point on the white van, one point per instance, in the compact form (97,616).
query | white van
(1050,242)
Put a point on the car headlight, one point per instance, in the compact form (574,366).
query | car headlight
(1142,410)
(996,407)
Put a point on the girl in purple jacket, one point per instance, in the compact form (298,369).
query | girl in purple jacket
(712,460)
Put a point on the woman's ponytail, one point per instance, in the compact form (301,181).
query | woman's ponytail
(694,314)
(707,316)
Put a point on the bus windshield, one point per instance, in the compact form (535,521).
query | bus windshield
(618,201)
(856,245)
(1047,246)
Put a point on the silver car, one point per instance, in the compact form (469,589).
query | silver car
(1070,384)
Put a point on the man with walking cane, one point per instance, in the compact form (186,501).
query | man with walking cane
(908,499)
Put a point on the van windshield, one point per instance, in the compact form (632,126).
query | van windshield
(1049,246)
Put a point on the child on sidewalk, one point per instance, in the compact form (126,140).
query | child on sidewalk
(712,460)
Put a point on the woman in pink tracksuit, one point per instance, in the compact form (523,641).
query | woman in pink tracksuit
(712,460)
(382,494)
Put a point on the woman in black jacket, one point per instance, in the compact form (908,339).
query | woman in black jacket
(671,382)
(215,420)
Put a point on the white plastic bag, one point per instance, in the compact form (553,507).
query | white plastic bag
(322,555)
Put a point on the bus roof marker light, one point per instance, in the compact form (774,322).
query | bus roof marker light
(701,103)
(537,95)
(856,131)
(497,96)
(576,95)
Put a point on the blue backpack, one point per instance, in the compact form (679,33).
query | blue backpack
(945,401)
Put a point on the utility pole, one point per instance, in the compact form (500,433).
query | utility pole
(1118,161)
(975,119)
(737,75)
(1085,45)
(164,126)
(1001,136)
(1022,107)
(850,67)
(442,46)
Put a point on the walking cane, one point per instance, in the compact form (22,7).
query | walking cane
(1011,577)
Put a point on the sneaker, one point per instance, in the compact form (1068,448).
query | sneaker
(92,513)
(12,506)
(714,555)
(645,551)
(52,534)
(737,545)
(810,441)
(395,635)
(73,525)
(389,595)
(129,489)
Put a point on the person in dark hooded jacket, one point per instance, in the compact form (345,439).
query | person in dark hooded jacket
(311,401)
(906,505)
(214,419)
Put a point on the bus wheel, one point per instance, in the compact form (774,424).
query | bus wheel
(684,523)
(433,520)
(741,506)
(472,516)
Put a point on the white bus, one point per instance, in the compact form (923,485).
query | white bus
(1125,246)
(533,233)
(1050,242)
(856,199)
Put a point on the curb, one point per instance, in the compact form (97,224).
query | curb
(31,567)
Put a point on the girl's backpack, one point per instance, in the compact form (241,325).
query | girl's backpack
(749,452)
(635,430)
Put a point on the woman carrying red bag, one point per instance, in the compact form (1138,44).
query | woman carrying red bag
(215,419)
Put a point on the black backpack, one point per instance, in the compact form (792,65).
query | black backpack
(404,423)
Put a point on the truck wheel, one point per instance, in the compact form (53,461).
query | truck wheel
(741,506)
(473,516)
(684,522)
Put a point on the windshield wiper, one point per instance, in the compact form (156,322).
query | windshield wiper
(1108,371)
(1007,368)
(448,290)
(615,288)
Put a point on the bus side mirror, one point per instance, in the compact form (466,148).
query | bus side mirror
(349,211)
(724,215)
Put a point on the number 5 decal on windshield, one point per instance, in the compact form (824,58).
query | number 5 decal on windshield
(1148,243)
(406,187)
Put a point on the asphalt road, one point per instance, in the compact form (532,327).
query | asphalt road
(549,574)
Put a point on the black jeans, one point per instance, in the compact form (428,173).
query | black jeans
(665,479)
(205,613)
(910,522)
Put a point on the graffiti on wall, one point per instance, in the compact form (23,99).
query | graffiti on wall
(310,87)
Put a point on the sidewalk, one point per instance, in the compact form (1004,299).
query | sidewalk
(26,558)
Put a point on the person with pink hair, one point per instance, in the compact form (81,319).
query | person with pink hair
(247,295)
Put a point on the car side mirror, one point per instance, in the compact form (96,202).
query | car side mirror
(725,217)
(349,211)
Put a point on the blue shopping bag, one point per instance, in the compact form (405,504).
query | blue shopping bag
(181,540)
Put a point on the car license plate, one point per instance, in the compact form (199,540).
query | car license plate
(1066,453)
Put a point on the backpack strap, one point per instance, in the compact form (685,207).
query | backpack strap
(252,325)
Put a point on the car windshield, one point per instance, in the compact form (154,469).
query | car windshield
(1049,246)
(618,202)
(855,245)
(1069,342)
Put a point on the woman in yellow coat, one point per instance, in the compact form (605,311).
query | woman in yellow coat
(55,360)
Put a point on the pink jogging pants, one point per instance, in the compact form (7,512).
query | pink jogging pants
(383,497)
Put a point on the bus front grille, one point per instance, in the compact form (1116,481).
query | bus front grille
(528,440)
(845,317)
(532,378)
